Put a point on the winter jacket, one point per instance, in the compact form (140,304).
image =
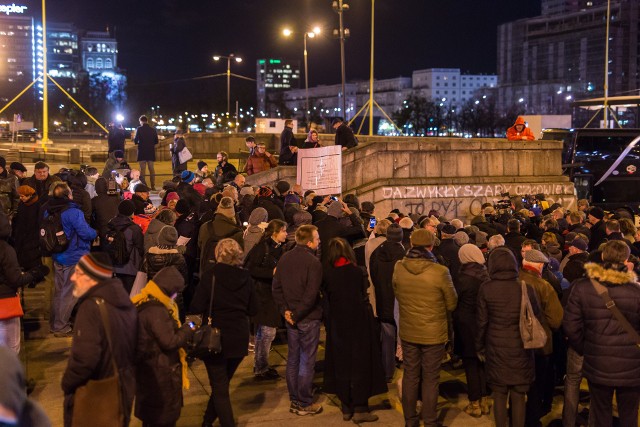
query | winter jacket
(90,358)
(287,140)
(525,134)
(11,276)
(598,236)
(552,250)
(112,164)
(221,227)
(104,207)
(78,232)
(157,258)
(224,173)
(13,393)
(273,210)
(152,233)
(116,139)
(467,285)
(188,225)
(580,228)
(498,318)
(41,187)
(371,245)
(251,236)
(26,233)
(345,136)
(611,357)
(260,262)
(176,148)
(548,301)
(158,368)
(190,195)
(139,204)
(574,269)
(146,139)
(9,197)
(259,163)
(331,227)
(135,244)
(234,301)
(296,284)
(513,240)
(448,250)
(425,295)
(381,265)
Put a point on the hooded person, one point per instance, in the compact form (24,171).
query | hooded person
(223,225)
(164,254)
(472,274)
(16,407)
(162,336)
(312,141)
(519,131)
(255,230)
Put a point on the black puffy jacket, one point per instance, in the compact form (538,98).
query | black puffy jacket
(508,363)
(381,264)
(611,357)
(104,207)
(157,258)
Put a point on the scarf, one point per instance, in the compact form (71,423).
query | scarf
(152,292)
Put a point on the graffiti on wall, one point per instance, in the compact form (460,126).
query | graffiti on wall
(459,201)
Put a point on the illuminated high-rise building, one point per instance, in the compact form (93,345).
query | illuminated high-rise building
(274,77)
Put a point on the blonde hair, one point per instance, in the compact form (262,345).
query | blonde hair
(228,251)
(382,226)
(549,237)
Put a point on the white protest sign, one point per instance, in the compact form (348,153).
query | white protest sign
(320,169)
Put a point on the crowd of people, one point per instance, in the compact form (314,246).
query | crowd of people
(391,290)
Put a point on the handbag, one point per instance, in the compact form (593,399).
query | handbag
(611,306)
(10,308)
(139,283)
(207,340)
(184,155)
(99,403)
(531,331)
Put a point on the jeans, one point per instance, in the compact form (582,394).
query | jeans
(264,338)
(601,405)
(220,372)
(572,381)
(476,381)
(152,172)
(63,299)
(421,362)
(10,333)
(303,344)
(517,394)
(388,339)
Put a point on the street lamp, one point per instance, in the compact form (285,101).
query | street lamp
(307,35)
(230,57)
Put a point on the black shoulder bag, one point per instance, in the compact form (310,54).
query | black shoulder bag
(207,340)
(603,292)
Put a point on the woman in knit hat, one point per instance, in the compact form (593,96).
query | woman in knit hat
(203,171)
(161,377)
(164,254)
(473,273)
(25,233)
(255,230)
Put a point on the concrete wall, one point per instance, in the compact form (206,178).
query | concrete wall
(450,175)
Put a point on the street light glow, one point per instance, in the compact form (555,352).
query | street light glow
(216,58)
(119,117)
(316,30)
(311,34)
(287,32)
(238,59)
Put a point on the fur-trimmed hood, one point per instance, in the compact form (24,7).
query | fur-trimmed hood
(613,277)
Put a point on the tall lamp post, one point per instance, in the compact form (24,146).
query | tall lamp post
(307,35)
(230,57)
(342,33)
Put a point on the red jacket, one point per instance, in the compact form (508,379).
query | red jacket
(524,135)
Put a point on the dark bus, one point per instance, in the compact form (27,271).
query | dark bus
(588,156)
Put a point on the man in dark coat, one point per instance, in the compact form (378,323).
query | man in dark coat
(344,134)
(186,191)
(90,358)
(266,199)
(611,355)
(288,145)
(331,226)
(134,242)
(574,219)
(117,137)
(513,239)
(448,250)
(381,264)
(41,180)
(103,207)
(598,232)
(140,198)
(296,291)
(578,256)
(222,226)
(146,139)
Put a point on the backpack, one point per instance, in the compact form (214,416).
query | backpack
(53,239)
(116,246)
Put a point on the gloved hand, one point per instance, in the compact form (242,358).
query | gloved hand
(38,273)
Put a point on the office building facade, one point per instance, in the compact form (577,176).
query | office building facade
(274,76)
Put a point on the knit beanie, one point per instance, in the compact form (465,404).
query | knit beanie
(394,233)
(335,209)
(470,253)
(169,280)
(406,223)
(421,237)
(226,207)
(172,196)
(283,187)
(25,190)
(201,164)
(302,218)
(96,265)
(168,236)
(258,215)
(182,207)
(126,208)
(187,176)
(461,238)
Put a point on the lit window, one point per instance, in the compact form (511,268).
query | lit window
(99,64)
(108,63)
(89,63)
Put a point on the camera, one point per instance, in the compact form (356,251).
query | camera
(334,198)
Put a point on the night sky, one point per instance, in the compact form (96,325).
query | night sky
(164,40)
